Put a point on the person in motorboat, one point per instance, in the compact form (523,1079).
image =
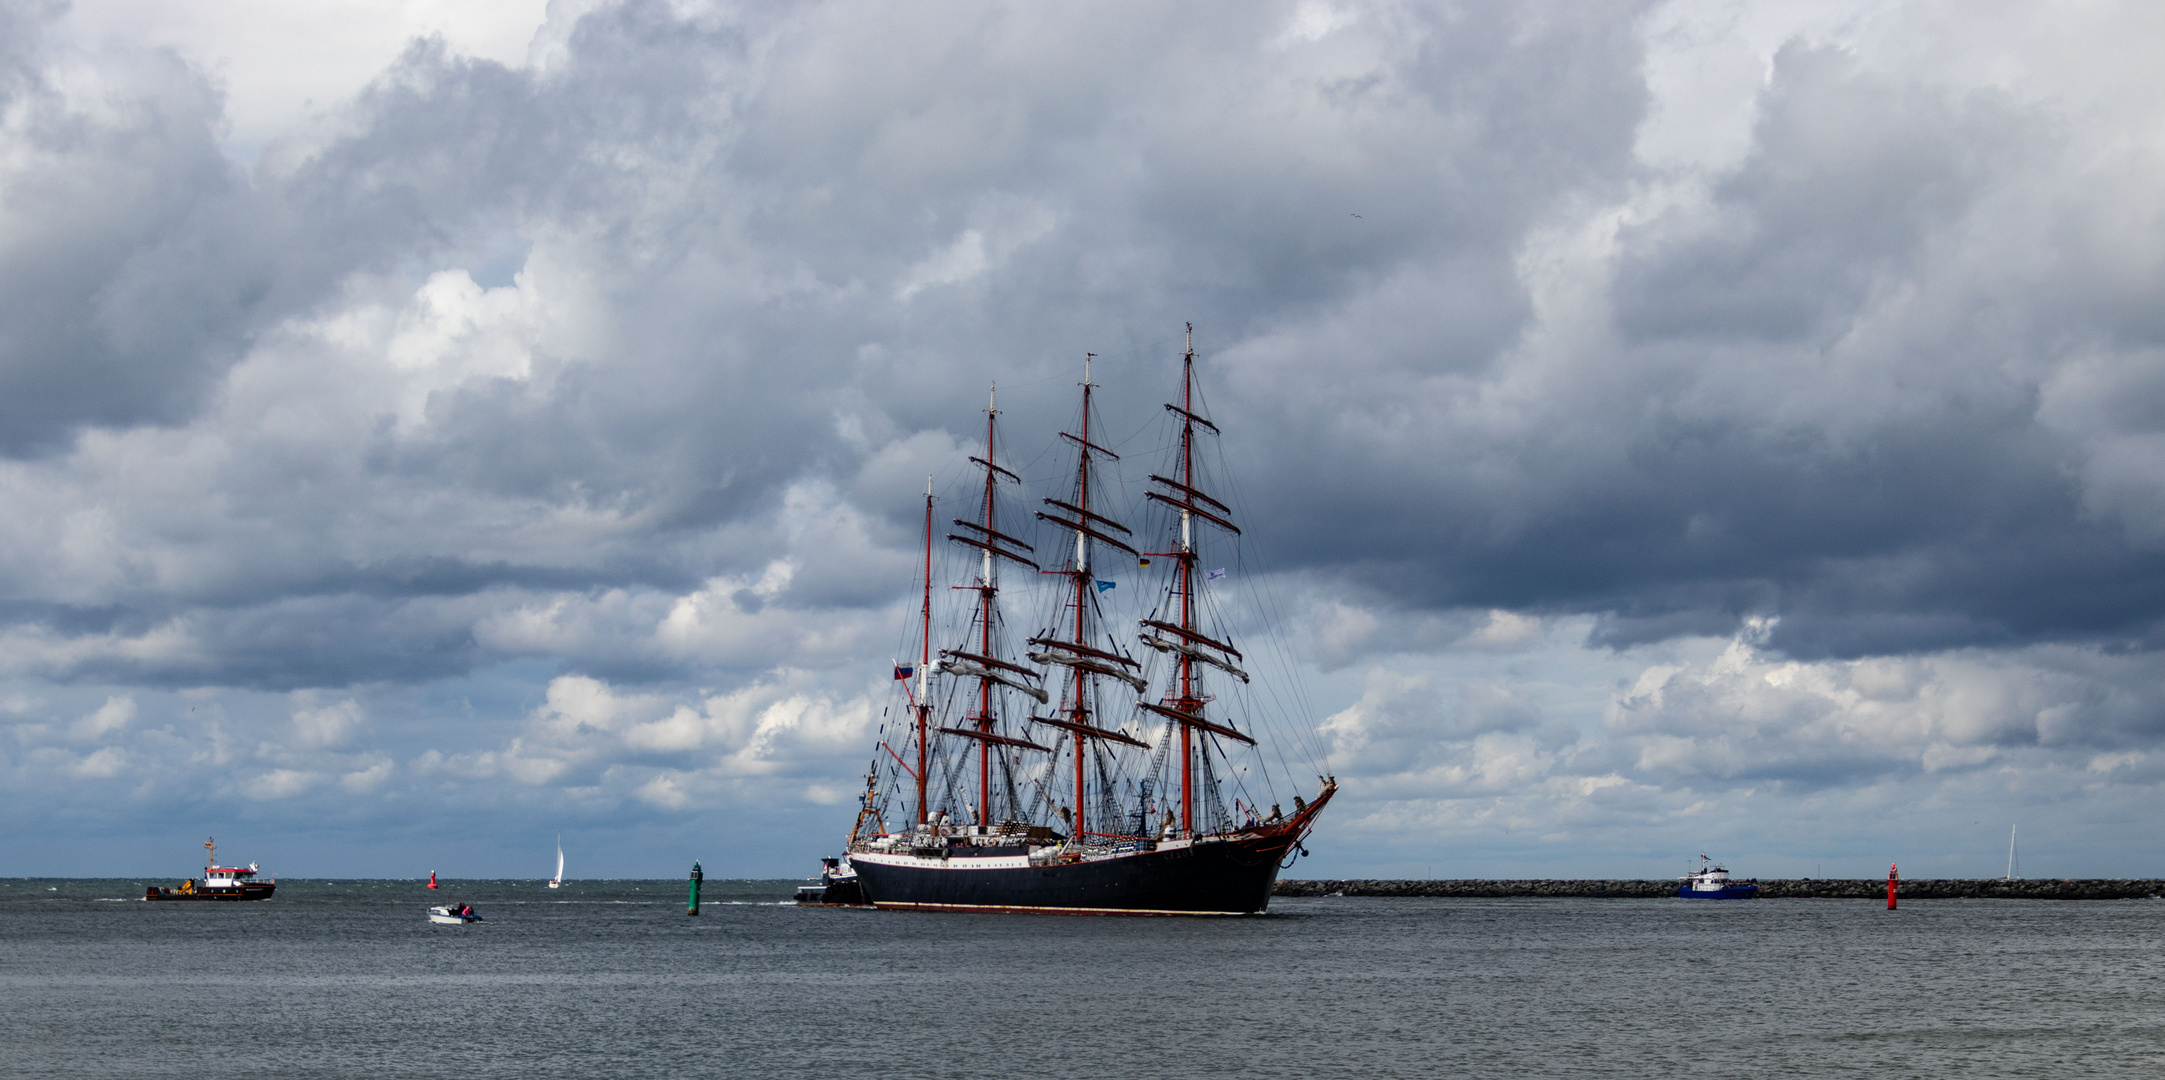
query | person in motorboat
(454,913)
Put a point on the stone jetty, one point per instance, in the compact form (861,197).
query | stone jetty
(1791,888)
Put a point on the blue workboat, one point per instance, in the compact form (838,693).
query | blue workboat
(1711,882)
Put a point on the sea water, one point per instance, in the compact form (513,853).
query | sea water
(612,979)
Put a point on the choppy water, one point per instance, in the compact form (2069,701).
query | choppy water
(611,979)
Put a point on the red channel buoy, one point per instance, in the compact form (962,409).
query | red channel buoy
(432,884)
(1890,886)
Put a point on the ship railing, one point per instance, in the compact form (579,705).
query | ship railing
(1095,849)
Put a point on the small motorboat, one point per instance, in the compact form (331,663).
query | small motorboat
(453,914)
(1711,882)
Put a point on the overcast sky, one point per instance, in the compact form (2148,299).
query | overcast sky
(1670,427)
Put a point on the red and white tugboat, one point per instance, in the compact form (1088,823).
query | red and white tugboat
(218,882)
(1076,772)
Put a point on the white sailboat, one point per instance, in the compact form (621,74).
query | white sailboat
(557,882)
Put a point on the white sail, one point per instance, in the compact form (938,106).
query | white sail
(558,880)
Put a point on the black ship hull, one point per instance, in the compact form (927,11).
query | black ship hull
(1228,877)
(245,892)
(837,888)
(837,895)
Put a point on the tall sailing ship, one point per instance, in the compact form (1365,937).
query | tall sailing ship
(1112,761)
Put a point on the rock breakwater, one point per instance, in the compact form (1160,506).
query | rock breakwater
(1792,888)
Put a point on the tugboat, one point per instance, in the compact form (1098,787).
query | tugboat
(1116,761)
(1712,883)
(837,887)
(453,914)
(219,882)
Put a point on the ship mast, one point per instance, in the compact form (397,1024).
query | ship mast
(986,664)
(1187,702)
(1188,644)
(1079,711)
(987,588)
(1084,660)
(924,661)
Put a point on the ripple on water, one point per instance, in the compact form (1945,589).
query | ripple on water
(330,978)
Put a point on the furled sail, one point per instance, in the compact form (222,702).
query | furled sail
(1095,667)
(1195,719)
(955,665)
(1090,731)
(1185,649)
(986,736)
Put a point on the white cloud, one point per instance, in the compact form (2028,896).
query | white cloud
(1313,21)
(101,764)
(1504,631)
(283,65)
(663,791)
(279,784)
(326,726)
(972,253)
(957,262)
(1343,632)
(587,729)
(115,714)
(369,779)
(1745,715)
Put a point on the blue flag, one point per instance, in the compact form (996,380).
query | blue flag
(1214,574)
(1103,585)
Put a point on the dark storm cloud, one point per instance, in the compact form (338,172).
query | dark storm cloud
(785,223)
(1848,180)
(1805,401)
(750,211)
(139,261)
(112,212)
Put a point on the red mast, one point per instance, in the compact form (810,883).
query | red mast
(924,660)
(1081,711)
(1084,659)
(985,591)
(1186,701)
(982,659)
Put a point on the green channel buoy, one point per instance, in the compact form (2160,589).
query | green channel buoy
(691,906)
